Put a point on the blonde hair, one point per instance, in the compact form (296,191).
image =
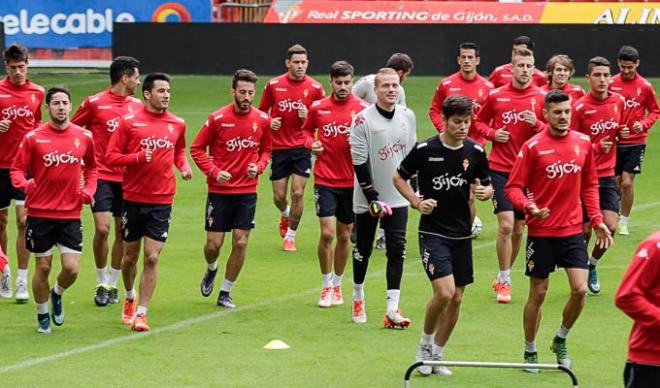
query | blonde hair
(384,72)
(560,59)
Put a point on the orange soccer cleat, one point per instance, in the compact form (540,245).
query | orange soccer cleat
(140,323)
(130,306)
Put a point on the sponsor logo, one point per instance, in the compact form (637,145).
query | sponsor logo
(431,159)
(600,126)
(512,117)
(88,22)
(153,143)
(112,124)
(446,182)
(239,143)
(13,112)
(632,103)
(558,169)
(546,152)
(55,158)
(333,129)
(171,12)
(289,105)
(389,150)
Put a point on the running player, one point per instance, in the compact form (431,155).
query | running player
(287,98)
(147,142)
(502,75)
(511,115)
(237,137)
(552,172)
(639,115)
(55,154)
(100,113)
(381,136)
(333,176)
(560,70)
(451,169)
(20,108)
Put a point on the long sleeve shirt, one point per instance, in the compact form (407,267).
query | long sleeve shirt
(641,105)
(21,105)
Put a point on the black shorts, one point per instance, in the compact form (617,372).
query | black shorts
(544,254)
(608,194)
(334,202)
(225,212)
(283,163)
(41,234)
(641,375)
(108,197)
(443,257)
(7,190)
(501,202)
(145,219)
(629,159)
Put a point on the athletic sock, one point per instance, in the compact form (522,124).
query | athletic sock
(336,280)
(42,308)
(22,275)
(285,213)
(358,291)
(290,234)
(437,349)
(623,220)
(530,346)
(6,269)
(101,277)
(562,332)
(130,294)
(393,300)
(213,266)
(141,310)
(327,279)
(427,339)
(593,261)
(504,276)
(59,290)
(113,275)
(227,285)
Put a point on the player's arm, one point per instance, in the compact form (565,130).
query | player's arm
(653,110)
(360,156)
(309,128)
(266,101)
(435,111)
(83,115)
(90,172)
(482,187)
(180,159)
(408,168)
(114,155)
(494,77)
(360,88)
(37,114)
(484,118)
(589,190)
(20,166)
(265,148)
(198,150)
(517,183)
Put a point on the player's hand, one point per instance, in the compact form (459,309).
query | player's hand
(87,198)
(30,186)
(606,144)
(603,236)
(4,126)
(276,123)
(624,132)
(252,170)
(223,176)
(317,148)
(426,206)
(501,135)
(379,209)
(186,174)
(482,192)
(637,127)
(147,154)
(539,213)
(302,111)
(530,118)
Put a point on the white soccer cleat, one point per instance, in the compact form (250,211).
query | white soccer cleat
(359,312)
(5,285)
(440,370)
(424,353)
(326,297)
(395,319)
(22,294)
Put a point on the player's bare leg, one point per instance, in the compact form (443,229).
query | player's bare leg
(41,291)
(4,218)
(102,225)
(326,254)
(214,241)
(234,265)
(67,276)
(430,348)
(297,201)
(116,253)
(610,220)
(538,288)
(149,278)
(626,185)
(577,279)
(280,188)
(504,248)
(131,253)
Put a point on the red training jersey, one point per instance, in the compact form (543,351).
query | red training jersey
(100,113)
(477,90)
(282,98)
(502,75)
(55,158)
(22,106)
(575,92)
(504,108)
(235,140)
(554,172)
(639,297)
(333,118)
(164,134)
(600,120)
(641,105)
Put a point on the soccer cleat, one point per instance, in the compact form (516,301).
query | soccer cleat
(380,241)
(593,283)
(113,295)
(57,313)
(558,347)
(326,297)
(359,313)
(424,353)
(395,319)
(206,287)
(5,285)
(22,294)
(623,230)
(140,323)
(440,369)
(502,292)
(289,245)
(337,297)
(531,358)
(224,300)
(130,307)
(43,323)
(284,224)
(101,295)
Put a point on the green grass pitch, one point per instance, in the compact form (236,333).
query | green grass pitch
(195,343)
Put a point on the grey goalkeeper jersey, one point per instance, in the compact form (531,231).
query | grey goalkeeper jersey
(364,88)
(383,143)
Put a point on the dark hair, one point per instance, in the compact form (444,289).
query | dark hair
(555,96)
(243,75)
(121,66)
(469,46)
(597,61)
(295,49)
(526,40)
(57,89)
(400,61)
(456,105)
(341,69)
(628,53)
(149,80)
(15,53)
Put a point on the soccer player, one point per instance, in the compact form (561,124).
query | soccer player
(288,98)
(100,113)
(451,169)
(640,114)
(381,136)
(502,75)
(553,170)
(55,154)
(147,142)
(560,70)
(238,139)
(639,298)
(511,115)
(333,176)
(598,114)
(20,112)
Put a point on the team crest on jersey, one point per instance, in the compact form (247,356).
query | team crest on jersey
(481,92)
(577,150)
(76,142)
(254,127)
(466,164)
(352,113)
(639,91)
(533,102)
(616,109)
(170,128)
(34,98)
(130,108)
(305,93)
